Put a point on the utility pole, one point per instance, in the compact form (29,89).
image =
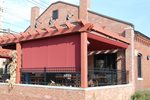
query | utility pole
(2,9)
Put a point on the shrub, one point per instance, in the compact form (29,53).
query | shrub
(141,95)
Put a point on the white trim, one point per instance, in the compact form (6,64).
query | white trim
(108,87)
(129,28)
(76,88)
(72,88)
(3,83)
(140,79)
(50,87)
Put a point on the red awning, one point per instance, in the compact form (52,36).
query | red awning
(59,52)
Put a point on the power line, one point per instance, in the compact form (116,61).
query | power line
(42,1)
(7,31)
(45,3)
(17,16)
(12,24)
(37,4)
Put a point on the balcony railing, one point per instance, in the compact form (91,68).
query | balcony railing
(102,77)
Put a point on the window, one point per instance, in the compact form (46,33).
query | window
(55,14)
(148,57)
(107,61)
(139,65)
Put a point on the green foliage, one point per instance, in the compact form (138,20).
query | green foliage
(141,95)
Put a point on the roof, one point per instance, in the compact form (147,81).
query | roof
(90,11)
(141,34)
(69,27)
(112,18)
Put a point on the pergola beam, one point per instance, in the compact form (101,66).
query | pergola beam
(107,40)
(5,53)
(110,34)
(47,32)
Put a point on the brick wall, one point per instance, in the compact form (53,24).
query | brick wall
(39,93)
(129,54)
(144,49)
(65,8)
(107,23)
(111,25)
(30,92)
(110,93)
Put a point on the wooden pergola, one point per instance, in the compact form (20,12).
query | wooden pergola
(5,53)
(87,30)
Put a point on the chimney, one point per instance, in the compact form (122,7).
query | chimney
(35,11)
(83,9)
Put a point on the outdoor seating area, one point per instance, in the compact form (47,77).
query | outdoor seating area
(4,78)
(96,77)
(51,77)
(62,60)
(104,77)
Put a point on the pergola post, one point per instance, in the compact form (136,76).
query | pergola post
(18,76)
(84,65)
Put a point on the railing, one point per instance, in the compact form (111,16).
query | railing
(102,77)
(71,77)
(4,77)
(51,76)
(51,69)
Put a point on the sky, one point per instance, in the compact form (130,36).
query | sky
(17,12)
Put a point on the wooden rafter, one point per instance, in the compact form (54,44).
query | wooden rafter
(75,27)
(46,32)
(5,53)
(110,34)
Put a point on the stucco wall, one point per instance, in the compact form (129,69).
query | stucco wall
(123,92)
(30,92)
(39,93)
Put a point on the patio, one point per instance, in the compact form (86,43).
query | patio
(59,55)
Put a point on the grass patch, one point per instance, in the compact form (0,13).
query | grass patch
(141,95)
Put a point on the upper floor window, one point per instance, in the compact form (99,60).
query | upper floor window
(139,65)
(148,57)
(55,14)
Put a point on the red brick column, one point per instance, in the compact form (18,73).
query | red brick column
(84,65)
(18,49)
(35,11)
(129,34)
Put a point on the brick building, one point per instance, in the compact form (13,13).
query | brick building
(72,46)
